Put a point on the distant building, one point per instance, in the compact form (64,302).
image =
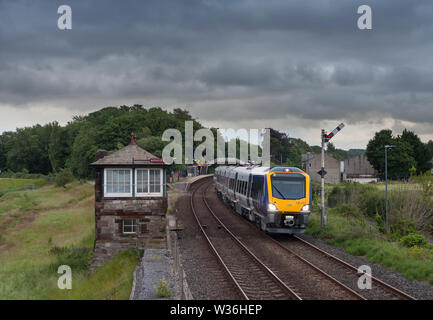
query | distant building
(312,163)
(356,169)
(359,169)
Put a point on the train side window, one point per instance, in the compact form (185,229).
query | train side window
(257,186)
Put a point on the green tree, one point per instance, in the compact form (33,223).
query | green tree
(59,148)
(63,177)
(419,151)
(28,149)
(399,157)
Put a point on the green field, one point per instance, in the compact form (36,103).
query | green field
(42,229)
(18,184)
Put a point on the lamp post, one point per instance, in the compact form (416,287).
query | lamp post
(386,187)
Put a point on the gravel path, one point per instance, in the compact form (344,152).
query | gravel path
(155,266)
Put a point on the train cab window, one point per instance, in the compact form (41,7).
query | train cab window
(288,186)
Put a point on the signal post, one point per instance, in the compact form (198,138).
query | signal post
(325,139)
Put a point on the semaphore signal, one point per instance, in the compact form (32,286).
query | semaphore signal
(325,139)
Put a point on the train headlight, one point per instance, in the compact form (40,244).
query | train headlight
(272,207)
(306,208)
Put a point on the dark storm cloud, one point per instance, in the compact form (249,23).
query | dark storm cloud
(254,59)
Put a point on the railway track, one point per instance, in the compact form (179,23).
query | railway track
(252,278)
(379,290)
(335,269)
(291,282)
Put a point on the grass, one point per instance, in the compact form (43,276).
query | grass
(17,184)
(45,228)
(359,237)
(113,281)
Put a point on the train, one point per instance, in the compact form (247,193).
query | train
(278,199)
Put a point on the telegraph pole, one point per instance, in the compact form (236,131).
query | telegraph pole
(325,139)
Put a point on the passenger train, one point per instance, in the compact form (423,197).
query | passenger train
(278,199)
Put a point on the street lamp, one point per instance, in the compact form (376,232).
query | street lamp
(386,186)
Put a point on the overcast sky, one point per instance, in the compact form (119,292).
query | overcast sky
(296,66)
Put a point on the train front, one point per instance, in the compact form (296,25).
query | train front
(289,200)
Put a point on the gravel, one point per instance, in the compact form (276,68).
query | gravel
(206,278)
(155,266)
(419,290)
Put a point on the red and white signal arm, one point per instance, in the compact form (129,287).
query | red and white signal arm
(333,133)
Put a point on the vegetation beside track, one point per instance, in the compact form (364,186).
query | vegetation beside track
(48,227)
(112,281)
(356,223)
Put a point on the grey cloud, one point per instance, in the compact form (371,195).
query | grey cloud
(224,59)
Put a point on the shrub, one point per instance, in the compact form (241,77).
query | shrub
(163,291)
(347,210)
(402,227)
(380,223)
(336,196)
(64,177)
(372,201)
(408,205)
(413,239)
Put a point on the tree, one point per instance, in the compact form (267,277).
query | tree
(28,149)
(63,177)
(4,148)
(58,148)
(286,150)
(430,146)
(399,157)
(420,152)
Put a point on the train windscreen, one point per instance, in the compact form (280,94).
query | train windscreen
(288,186)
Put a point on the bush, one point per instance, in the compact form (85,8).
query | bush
(380,223)
(372,201)
(413,239)
(347,210)
(336,196)
(64,177)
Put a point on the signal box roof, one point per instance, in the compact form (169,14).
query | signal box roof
(131,155)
